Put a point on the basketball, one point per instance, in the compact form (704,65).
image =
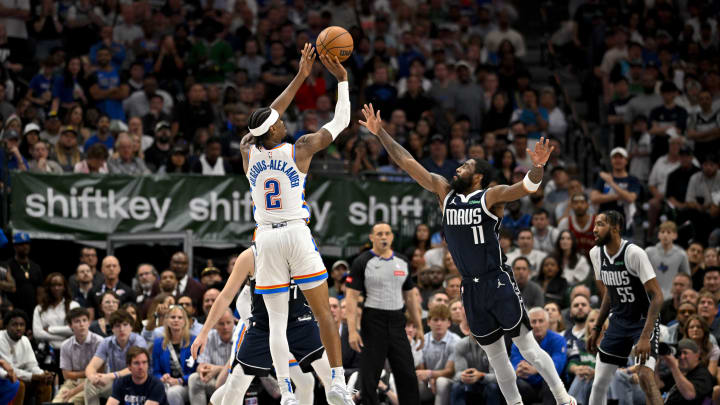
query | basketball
(335,41)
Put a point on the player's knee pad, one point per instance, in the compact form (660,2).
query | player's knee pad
(528,346)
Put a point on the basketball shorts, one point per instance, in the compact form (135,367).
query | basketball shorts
(493,306)
(284,251)
(253,347)
(621,337)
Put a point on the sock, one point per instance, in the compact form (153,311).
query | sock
(535,355)
(322,369)
(337,374)
(504,372)
(604,374)
(304,385)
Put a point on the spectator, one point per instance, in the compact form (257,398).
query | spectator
(177,161)
(351,358)
(681,282)
(504,32)
(168,282)
(106,88)
(532,387)
(190,308)
(381,93)
(551,280)
(132,309)
(667,119)
(525,240)
(251,60)
(51,129)
(156,113)
(474,382)
(520,144)
(139,385)
(581,363)
(39,89)
(557,124)
(338,273)
(88,255)
(617,190)
(48,321)
(438,357)
(707,309)
(659,178)
(67,153)
(210,276)
(617,110)
(127,33)
(110,356)
(26,273)
(154,324)
(690,380)
(102,135)
(469,98)
(678,179)
(16,160)
(68,89)
(575,267)
(701,201)
(515,221)
(75,354)
(146,277)
(212,360)
(545,235)
(139,104)
(711,281)
(643,104)
(75,117)
(710,257)
(459,324)
(695,257)
(556,323)
(532,293)
(209,298)
(109,303)
(497,119)
(676,327)
(639,149)
(171,353)
(192,114)
(415,103)
(40,162)
(579,310)
(668,258)
(15,348)
(111,270)
(697,329)
(125,162)
(533,116)
(704,125)
(115,49)
(452,286)
(438,161)
(95,161)
(83,285)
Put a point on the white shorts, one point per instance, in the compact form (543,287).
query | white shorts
(285,251)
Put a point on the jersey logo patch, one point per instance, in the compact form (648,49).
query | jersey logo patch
(500,284)
(399,273)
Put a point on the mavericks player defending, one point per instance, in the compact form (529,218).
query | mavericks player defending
(471,222)
(285,247)
(632,298)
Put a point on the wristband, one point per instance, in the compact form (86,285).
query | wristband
(529,185)
(115,374)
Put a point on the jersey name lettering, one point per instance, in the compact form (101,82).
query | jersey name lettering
(275,164)
(614,278)
(463,216)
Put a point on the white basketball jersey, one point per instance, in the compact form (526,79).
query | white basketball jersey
(277,185)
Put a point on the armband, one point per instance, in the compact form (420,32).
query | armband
(529,185)
(342,111)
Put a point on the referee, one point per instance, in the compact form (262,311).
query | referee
(384,279)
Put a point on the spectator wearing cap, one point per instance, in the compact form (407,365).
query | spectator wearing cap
(690,381)
(209,276)
(156,112)
(178,161)
(679,179)
(51,129)
(617,190)
(15,160)
(125,162)
(704,125)
(31,134)
(102,135)
(438,161)
(106,88)
(639,148)
(159,152)
(95,160)
(26,273)
(40,162)
(702,200)
(66,152)
(667,120)
(339,271)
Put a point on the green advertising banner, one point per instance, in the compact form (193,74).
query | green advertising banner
(218,209)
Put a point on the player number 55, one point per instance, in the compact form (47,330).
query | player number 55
(626,294)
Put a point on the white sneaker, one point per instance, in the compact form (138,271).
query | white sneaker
(338,395)
(289,400)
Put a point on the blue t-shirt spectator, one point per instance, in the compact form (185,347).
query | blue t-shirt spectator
(106,80)
(554,345)
(528,117)
(40,84)
(515,225)
(629,183)
(117,50)
(66,94)
(109,142)
(128,393)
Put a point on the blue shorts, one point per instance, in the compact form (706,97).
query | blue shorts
(254,356)
(620,337)
(493,306)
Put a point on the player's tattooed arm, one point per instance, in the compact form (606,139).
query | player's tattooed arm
(502,193)
(429,181)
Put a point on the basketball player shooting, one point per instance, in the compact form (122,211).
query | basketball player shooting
(284,246)
(632,298)
(471,223)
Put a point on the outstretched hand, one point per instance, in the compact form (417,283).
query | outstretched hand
(372,122)
(307,59)
(542,152)
(333,65)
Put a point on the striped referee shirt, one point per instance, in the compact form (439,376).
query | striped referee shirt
(381,281)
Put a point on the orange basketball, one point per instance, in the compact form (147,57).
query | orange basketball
(335,41)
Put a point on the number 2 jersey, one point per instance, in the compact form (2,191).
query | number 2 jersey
(471,232)
(277,185)
(624,275)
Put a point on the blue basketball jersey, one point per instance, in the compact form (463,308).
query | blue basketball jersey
(472,234)
(298,309)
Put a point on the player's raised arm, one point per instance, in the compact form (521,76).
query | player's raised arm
(429,181)
(309,144)
(307,58)
(531,182)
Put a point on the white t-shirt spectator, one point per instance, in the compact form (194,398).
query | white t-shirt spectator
(496,37)
(14,26)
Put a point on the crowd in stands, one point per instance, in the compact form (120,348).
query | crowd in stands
(166,86)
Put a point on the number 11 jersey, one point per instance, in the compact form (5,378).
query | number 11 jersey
(472,234)
(277,185)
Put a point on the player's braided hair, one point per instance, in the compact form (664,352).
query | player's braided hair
(484,167)
(256,119)
(615,218)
